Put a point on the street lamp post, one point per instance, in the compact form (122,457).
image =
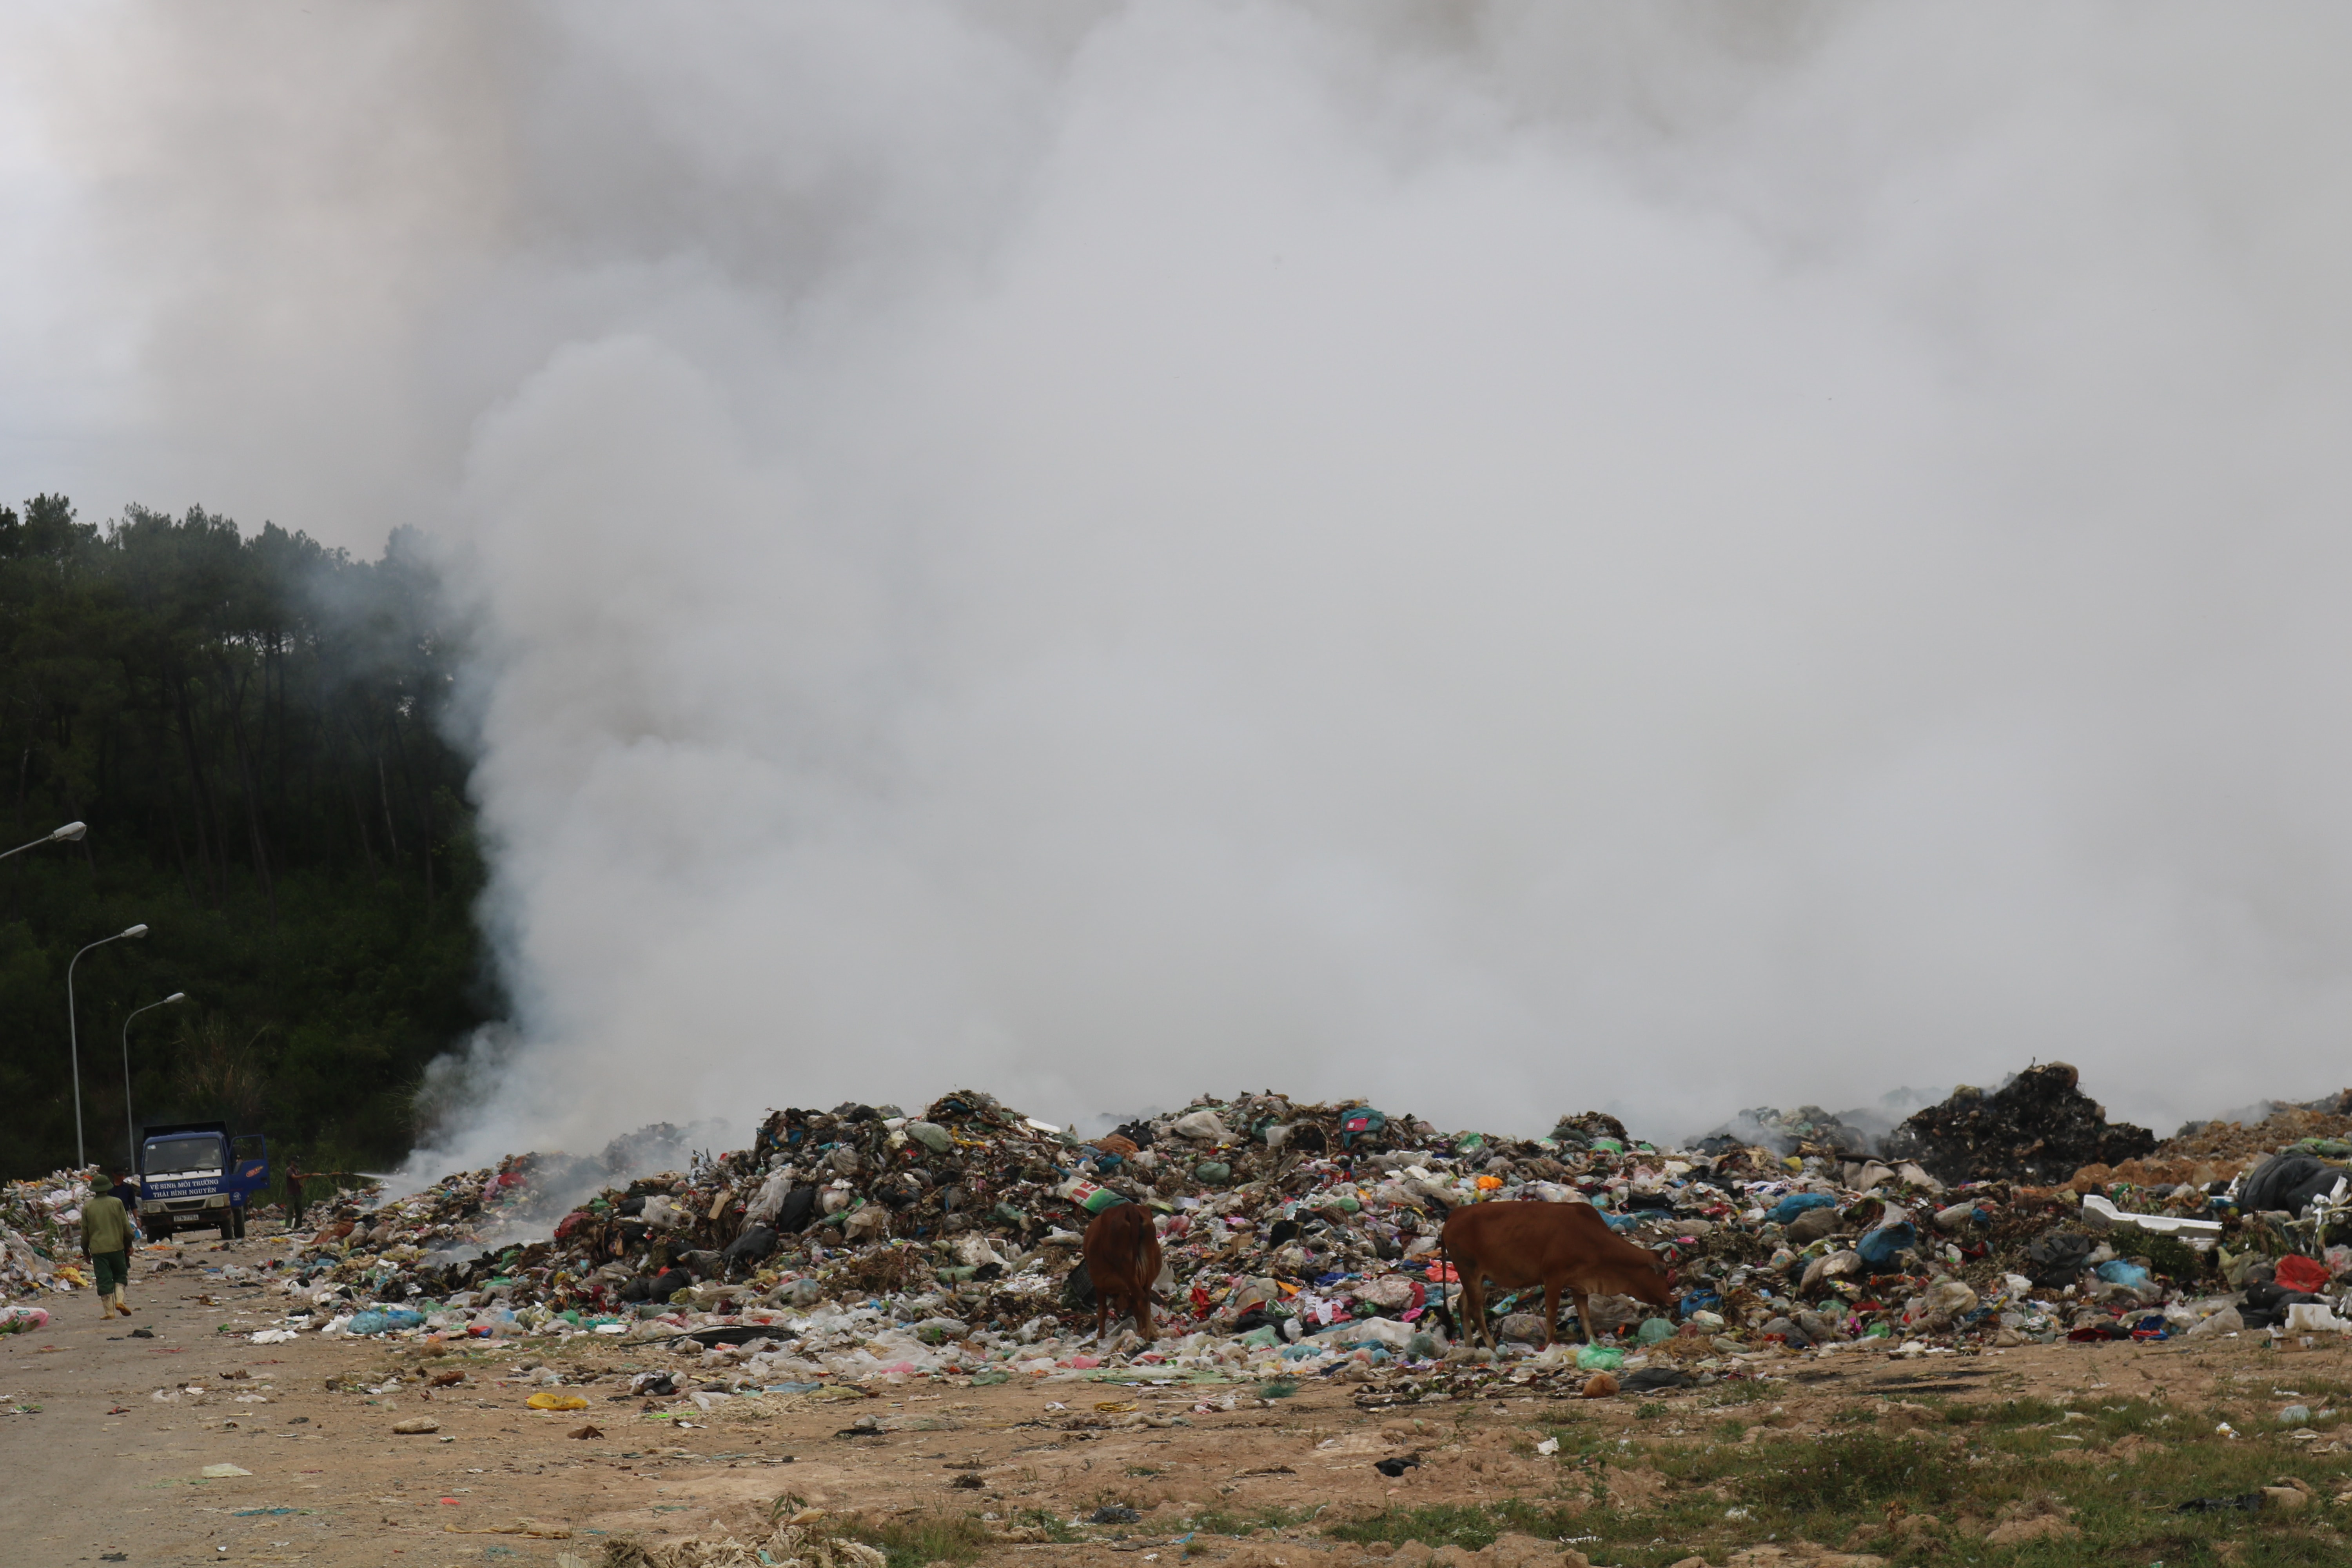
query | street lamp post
(66,834)
(73,1031)
(131,1123)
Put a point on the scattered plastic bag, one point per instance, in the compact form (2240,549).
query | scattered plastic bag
(2296,1272)
(21,1320)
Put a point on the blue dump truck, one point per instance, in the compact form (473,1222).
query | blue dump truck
(193,1175)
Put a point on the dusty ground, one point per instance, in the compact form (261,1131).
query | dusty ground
(98,1465)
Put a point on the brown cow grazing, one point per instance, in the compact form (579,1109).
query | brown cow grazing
(1122,1256)
(1557,1245)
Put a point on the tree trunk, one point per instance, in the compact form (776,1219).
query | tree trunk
(383,793)
(16,880)
(359,820)
(252,790)
(424,808)
(215,873)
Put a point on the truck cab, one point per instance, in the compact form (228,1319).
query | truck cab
(193,1175)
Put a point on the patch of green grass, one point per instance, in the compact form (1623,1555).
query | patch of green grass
(1741,1391)
(913,1542)
(1842,1490)
(1142,1470)
(1054,1525)
(1213,1521)
(1470,1526)
(1850,1473)
(1649,1411)
(2008,1413)
(1579,1441)
(1280,1388)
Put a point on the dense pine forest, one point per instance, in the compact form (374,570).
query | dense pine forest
(253,730)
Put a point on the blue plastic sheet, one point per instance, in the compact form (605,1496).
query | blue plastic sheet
(1795,1203)
(1880,1247)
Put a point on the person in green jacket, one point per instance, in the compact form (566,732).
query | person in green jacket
(106,1243)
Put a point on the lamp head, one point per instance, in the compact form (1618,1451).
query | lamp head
(175,997)
(136,930)
(69,833)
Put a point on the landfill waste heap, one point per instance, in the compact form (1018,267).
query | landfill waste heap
(2039,1127)
(862,1245)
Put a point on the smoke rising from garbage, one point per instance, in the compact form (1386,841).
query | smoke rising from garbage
(1500,560)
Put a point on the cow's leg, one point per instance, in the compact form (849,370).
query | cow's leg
(1551,1309)
(1143,1314)
(1102,1312)
(1474,1306)
(1584,1314)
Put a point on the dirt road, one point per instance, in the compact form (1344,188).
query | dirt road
(115,1445)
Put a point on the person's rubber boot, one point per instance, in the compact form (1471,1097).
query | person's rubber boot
(106,1305)
(122,1300)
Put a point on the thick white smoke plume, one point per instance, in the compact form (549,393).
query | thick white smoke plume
(1500,558)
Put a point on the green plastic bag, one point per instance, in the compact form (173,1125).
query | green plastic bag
(1599,1358)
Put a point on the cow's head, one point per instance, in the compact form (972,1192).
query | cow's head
(1649,1281)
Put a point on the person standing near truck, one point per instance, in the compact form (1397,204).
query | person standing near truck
(106,1243)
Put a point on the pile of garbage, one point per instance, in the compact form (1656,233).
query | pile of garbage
(2038,1127)
(866,1243)
(2319,1121)
(40,1238)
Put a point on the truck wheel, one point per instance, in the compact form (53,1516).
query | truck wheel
(235,1229)
(156,1229)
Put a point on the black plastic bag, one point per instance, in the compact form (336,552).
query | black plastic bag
(2058,1258)
(2287,1182)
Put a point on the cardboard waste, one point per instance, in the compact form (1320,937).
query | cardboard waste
(865,1244)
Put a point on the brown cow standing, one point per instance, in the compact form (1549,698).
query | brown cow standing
(1122,1254)
(1557,1245)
